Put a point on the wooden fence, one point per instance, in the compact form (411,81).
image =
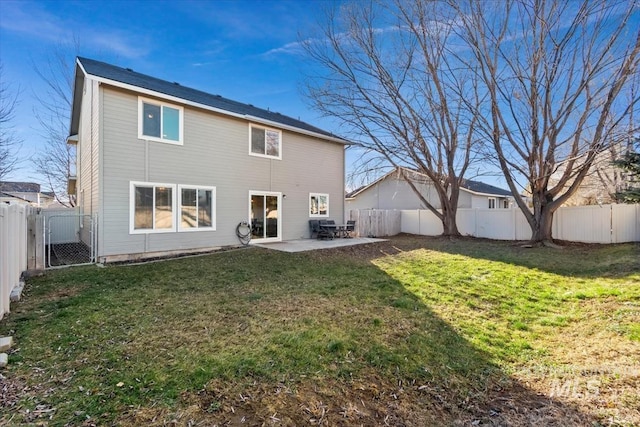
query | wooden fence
(375,222)
(588,224)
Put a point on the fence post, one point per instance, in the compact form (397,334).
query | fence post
(611,237)
(475,222)
(4,273)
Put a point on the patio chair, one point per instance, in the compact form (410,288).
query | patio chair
(319,231)
(331,227)
(351,227)
(327,229)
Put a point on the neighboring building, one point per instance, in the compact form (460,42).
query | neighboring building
(170,169)
(25,193)
(391,191)
(603,180)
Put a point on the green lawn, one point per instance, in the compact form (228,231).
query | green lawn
(416,331)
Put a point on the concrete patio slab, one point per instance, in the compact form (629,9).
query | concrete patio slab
(314,244)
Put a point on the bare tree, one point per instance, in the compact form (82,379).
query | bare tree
(9,143)
(56,160)
(388,76)
(554,73)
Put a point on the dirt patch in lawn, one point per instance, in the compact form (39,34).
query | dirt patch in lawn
(368,402)
(11,390)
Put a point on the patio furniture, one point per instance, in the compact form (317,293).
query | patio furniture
(257,226)
(351,227)
(321,231)
(328,226)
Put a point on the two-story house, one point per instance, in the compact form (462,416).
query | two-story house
(170,169)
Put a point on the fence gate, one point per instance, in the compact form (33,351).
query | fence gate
(70,239)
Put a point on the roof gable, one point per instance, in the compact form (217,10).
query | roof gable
(468,185)
(126,76)
(19,187)
(481,187)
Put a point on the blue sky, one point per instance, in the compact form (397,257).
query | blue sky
(243,50)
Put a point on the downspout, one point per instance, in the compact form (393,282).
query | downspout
(146,179)
(344,171)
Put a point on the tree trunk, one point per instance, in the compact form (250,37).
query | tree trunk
(543,226)
(449,225)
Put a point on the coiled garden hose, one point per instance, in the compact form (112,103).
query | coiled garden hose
(243,231)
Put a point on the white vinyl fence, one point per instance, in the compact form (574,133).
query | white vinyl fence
(588,224)
(13,250)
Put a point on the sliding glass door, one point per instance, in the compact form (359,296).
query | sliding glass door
(265,214)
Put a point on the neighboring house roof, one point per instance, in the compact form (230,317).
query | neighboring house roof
(19,187)
(12,196)
(28,192)
(475,187)
(482,188)
(125,77)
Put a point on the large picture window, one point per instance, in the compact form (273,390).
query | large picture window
(197,208)
(152,207)
(265,142)
(318,205)
(159,121)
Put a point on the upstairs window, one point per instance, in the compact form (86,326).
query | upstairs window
(265,142)
(159,121)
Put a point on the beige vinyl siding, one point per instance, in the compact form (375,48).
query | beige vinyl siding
(482,201)
(394,193)
(96,199)
(308,166)
(88,155)
(216,154)
(466,200)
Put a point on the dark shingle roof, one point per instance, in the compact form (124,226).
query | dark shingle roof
(19,187)
(130,77)
(481,187)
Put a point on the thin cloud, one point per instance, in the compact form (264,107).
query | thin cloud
(26,18)
(30,20)
(118,43)
(293,48)
(296,48)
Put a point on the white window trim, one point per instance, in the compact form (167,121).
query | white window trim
(132,207)
(268,193)
(279,156)
(495,202)
(141,101)
(213,208)
(318,215)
